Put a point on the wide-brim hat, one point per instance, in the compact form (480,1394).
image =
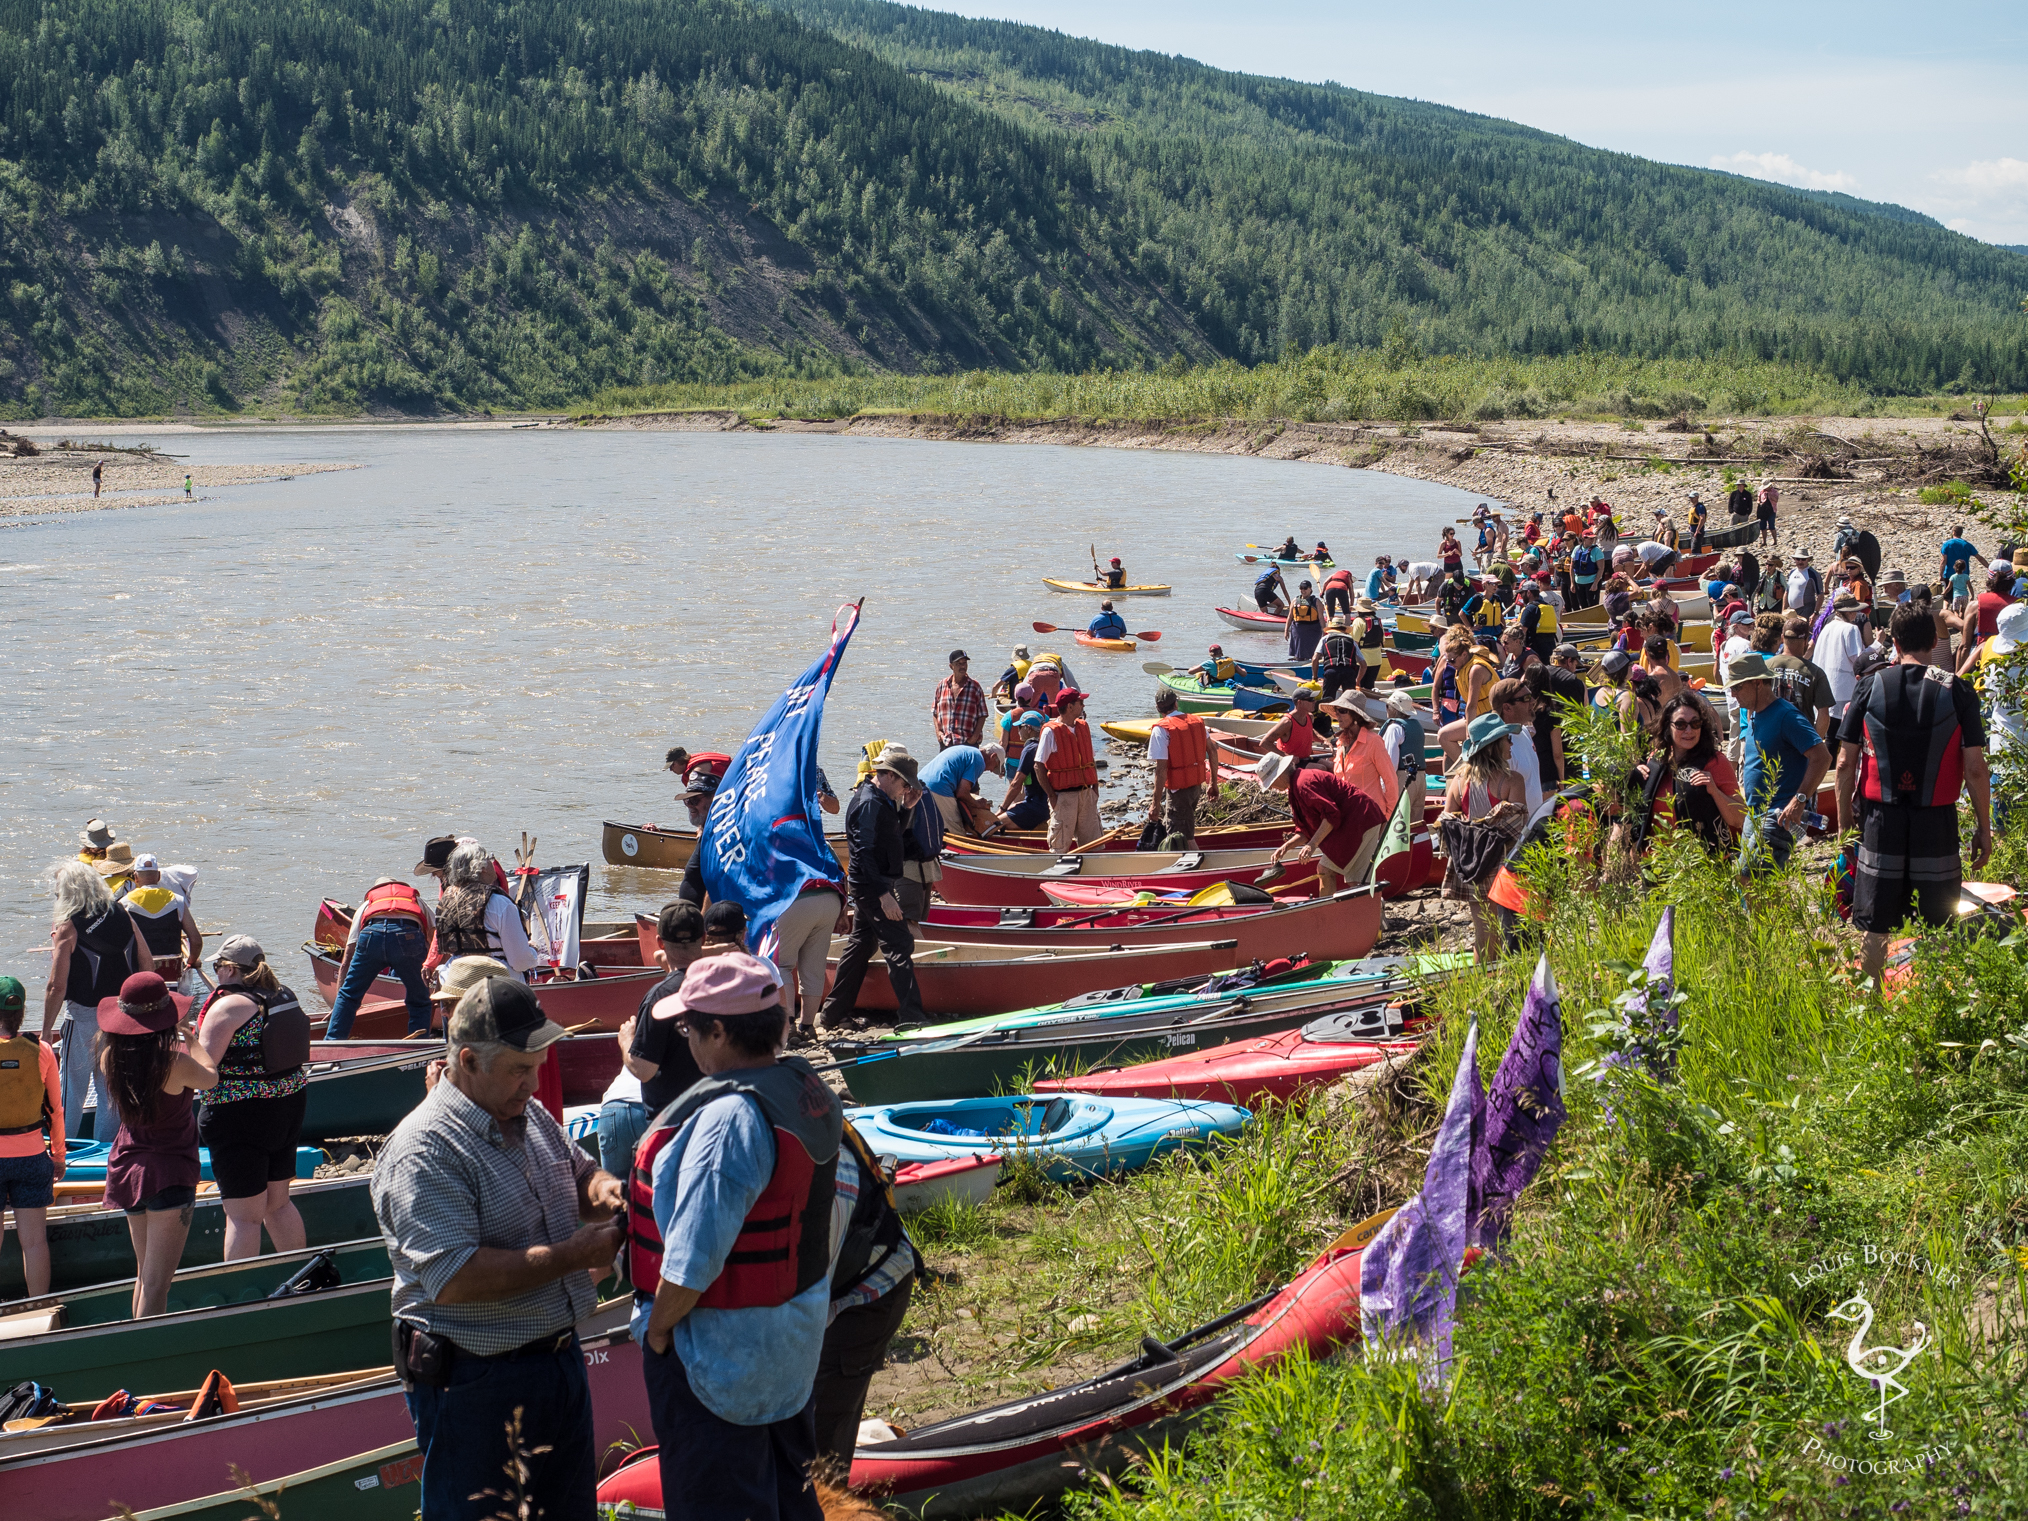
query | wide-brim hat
(117,862)
(1802,554)
(1486,730)
(1751,666)
(98,834)
(145,1006)
(436,854)
(464,973)
(1364,605)
(1270,769)
(2010,630)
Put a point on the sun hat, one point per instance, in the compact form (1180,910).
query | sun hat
(731,984)
(502,1009)
(1893,578)
(1751,666)
(117,862)
(1020,652)
(2011,632)
(145,1006)
(1401,705)
(1340,621)
(1487,729)
(1802,554)
(436,854)
(459,976)
(1270,769)
(240,950)
(896,758)
(98,834)
(1845,602)
(1364,605)
(13,997)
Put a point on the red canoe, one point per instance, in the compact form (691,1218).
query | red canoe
(587,1064)
(972,979)
(1008,1457)
(601,1003)
(1017,880)
(1244,1072)
(80,1471)
(1339,928)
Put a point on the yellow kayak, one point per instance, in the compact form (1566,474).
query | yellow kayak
(1092,588)
(1098,642)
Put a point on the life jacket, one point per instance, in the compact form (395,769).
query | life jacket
(461,923)
(24,1101)
(1410,763)
(1489,613)
(102,958)
(1547,623)
(1222,668)
(1188,746)
(1484,704)
(1370,632)
(1300,740)
(159,912)
(1107,626)
(1304,610)
(1914,752)
(392,900)
(875,1229)
(1070,765)
(283,1029)
(784,1244)
(1265,580)
(1340,650)
(1114,579)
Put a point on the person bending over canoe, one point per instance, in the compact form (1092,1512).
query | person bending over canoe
(1335,822)
(1108,624)
(952,777)
(1270,591)
(1114,577)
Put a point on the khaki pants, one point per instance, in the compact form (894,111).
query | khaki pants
(1330,878)
(1179,813)
(1073,819)
(954,817)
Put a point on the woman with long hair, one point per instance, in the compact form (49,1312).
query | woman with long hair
(255,1033)
(1688,782)
(149,1075)
(96,943)
(1483,790)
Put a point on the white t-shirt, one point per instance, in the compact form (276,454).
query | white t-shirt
(1837,648)
(1798,582)
(1650,551)
(626,1087)
(1522,757)
(1737,645)
(1158,744)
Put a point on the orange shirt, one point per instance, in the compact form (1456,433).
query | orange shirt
(30,1143)
(1365,765)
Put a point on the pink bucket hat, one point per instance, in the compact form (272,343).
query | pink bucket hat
(734,983)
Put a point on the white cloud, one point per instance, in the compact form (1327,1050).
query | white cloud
(1780,167)
(1992,176)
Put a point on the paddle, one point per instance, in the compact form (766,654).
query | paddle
(1151,635)
(1156,668)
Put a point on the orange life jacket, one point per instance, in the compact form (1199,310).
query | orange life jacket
(1070,764)
(1184,766)
(393,900)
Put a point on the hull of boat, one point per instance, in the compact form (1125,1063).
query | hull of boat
(959,1180)
(1093,589)
(1069,1137)
(1249,622)
(1017,881)
(1734,536)
(1193,696)
(954,979)
(665,849)
(381,1485)
(1246,1073)
(1099,642)
(586,1063)
(1343,927)
(602,1003)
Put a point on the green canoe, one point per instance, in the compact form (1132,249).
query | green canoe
(367,1095)
(382,1485)
(88,1245)
(219,1317)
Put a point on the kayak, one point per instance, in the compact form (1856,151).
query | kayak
(1252,623)
(996,979)
(1247,559)
(1194,695)
(1071,1136)
(1017,880)
(85,1162)
(1244,1072)
(955,1180)
(1017,1455)
(1097,642)
(86,1344)
(1094,589)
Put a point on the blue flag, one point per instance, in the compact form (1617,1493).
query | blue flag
(764,836)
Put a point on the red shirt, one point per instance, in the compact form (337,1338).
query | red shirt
(1316,795)
(1990,603)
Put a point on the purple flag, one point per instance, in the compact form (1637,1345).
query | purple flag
(1408,1279)
(1661,969)
(1524,1108)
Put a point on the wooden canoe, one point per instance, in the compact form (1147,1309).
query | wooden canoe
(1015,881)
(1092,588)
(600,1003)
(968,979)
(586,1063)
(1343,927)
(666,849)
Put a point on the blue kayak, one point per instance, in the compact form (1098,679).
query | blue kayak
(1071,1135)
(85,1161)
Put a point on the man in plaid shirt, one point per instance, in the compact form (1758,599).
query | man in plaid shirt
(960,706)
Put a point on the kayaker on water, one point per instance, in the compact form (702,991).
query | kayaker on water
(1219,669)
(1321,555)
(1289,551)
(1108,624)
(1114,577)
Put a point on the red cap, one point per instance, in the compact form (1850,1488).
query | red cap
(1068,694)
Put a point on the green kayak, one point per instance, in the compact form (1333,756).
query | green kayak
(219,1317)
(382,1485)
(89,1245)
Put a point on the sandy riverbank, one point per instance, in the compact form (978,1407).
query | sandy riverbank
(55,480)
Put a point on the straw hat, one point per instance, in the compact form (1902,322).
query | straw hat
(118,860)
(459,977)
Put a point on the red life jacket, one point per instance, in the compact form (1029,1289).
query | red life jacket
(1185,764)
(393,900)
(1914,752)
(1070,765)
(784,1245)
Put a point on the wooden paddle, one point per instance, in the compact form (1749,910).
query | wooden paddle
(1151,635)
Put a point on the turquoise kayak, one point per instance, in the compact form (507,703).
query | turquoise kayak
(85,1161)
(1260,559)
(1070,1135)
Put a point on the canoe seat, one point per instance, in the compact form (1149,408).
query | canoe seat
(31,1323)
(1188,861)
(1066,866)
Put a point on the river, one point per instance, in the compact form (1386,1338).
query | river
(291,685)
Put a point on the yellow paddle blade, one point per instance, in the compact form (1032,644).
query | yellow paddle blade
(1217,895)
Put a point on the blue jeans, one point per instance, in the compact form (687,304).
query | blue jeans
(1765,845)
(713,1470)
(621,1122)
(462,1431)
(384,945)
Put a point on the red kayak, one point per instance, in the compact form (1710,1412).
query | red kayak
(1017,880)
(1010,1456)
(1339,928)
(1244,1072)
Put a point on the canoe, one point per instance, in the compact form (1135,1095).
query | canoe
(586,1063)
(601,943)
(666,849)
(603,1002)
(1016,1456)
(1247,559)
(1734,536)
(71,1472)
(88,1244)
(955,1180)
(1097,642)
(371,1486)
(1070,1136)
(1251,622)
(361,1095)
(1245,1072)
(218,1317)
(1092,588)
(1016,880)
(963,1058)
(1342,927)
(1194,696)
(970,978)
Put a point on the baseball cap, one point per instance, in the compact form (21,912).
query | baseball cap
(503,1009)
(701,784)
(13,998)
(1068,694)
(1216,649)
(732,984)
(461,975)
(145,1006)
(1030,720)
(1569,651)
(436,854)
(1616,663)
(679,923)
(240,950)
(146,863)
(958,655)
(1741,616)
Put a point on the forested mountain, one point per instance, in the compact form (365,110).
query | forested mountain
(331,204)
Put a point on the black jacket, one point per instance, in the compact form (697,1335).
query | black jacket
(873,828)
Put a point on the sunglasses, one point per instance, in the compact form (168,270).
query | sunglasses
(1685,723)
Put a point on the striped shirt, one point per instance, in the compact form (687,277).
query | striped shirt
(959,710)
(453,1179)
(888,1270)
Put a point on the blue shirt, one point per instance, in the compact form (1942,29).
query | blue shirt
(960,763)
(1955,550)
(1108,626)
(750,1367)
(1781,733)
(1375,579)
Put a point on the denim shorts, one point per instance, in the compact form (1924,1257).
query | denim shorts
(27,1182)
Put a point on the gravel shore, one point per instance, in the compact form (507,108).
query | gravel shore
(60,480)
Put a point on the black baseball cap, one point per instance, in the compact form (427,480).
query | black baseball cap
(503,1009)
(957,655)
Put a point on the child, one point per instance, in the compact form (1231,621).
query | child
(1961,586)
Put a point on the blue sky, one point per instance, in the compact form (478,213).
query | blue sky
(1926,106)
